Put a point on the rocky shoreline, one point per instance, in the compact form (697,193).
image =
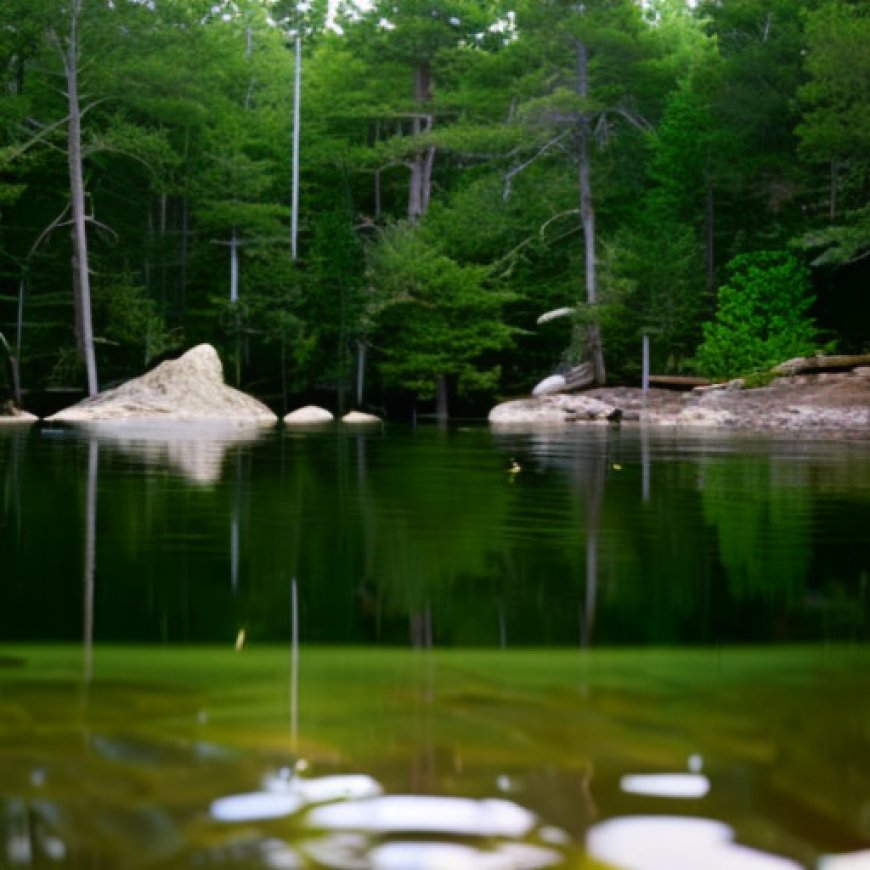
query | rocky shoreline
(192,389)
(821,402)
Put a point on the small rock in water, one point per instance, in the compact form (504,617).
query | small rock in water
(358,418)
(310,415)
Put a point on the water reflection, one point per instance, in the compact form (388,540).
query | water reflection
(90,560)
(426,538)
(669,785)
(351,824)
(194,450)
(676,843)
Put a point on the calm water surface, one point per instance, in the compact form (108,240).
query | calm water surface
(633,650)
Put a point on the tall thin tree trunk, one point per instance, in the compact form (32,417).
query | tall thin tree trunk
(420,182)
(709,243)
(185,242)
(361,348)
(587,214)
(19,339)
(162,248)
(82,280)
(442,407)
(149,250)
(297,100)
(234,266)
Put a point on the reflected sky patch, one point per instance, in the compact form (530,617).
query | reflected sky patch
(674,843)
(423,814)
(667,785)
(283,796)
(255,806)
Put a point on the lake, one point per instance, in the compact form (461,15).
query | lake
(403,649)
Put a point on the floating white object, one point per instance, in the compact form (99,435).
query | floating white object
(849,861)
(425,814)
(255,806)
(669,785)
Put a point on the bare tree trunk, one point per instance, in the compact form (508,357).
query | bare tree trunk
(442,408)
(185,242)
(709,246)
(162,249)
(420,183)
(297,98)
(19,339)
(361,348)
(81,281)
(587,214)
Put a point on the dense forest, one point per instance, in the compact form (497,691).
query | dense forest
(429,203)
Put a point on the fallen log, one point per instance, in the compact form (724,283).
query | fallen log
(579,377)
(678,382)
(808,364)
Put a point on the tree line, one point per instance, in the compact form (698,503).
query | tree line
(433,201)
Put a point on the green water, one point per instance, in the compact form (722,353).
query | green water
(517,645)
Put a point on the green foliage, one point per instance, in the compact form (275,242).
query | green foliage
(434,316)
(764,545)
(835,128)
(127,318)
(836,122)
(717,130)
(841,243)
(761,316)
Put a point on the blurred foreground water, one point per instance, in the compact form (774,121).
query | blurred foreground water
(597,649)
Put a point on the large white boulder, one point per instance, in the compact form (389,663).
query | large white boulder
(15,415)
(190,388)
(559,409)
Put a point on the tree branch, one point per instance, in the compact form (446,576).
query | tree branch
(57,222)
(506,191)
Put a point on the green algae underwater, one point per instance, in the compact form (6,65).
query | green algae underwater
(630,655)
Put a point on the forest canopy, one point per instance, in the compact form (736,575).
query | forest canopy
(374,204)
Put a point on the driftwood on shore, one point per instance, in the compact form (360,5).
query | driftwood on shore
(810,364)
(682,382)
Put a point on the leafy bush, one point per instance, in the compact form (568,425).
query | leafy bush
(761,316)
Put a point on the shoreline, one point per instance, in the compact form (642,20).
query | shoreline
(824,404)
